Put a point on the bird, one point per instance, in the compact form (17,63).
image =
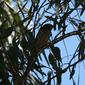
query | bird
(42,37)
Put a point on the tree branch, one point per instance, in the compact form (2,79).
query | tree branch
(64,36)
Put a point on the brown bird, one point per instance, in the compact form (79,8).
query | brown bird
(42,37)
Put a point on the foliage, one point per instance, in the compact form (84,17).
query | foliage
(21,59)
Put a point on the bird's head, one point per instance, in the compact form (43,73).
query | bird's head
(47,27)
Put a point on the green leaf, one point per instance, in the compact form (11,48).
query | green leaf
(81,52)
(82,11)
(9,1)
(52,61)
(74,22)
(49,77)
(37,1)
(16,17)
(2,11)
(59,75)
(56,52)
(24,43)
(51,3)
(11,10)
(5,32)
(72,72)
(50,18)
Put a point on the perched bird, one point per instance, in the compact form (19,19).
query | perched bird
(42,37)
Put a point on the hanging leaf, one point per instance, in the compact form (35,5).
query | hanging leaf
(58,6)
(37,1)
(49,78)
(24,43)
(51,3)
(5,32)
(59,75)
(2,11)
(74,22)
(72,72)
(56,52)
(82,11)
(55,21)
(81,52)
(65,5)
(50,18)
(52,61)
(16,17)
(64,17)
